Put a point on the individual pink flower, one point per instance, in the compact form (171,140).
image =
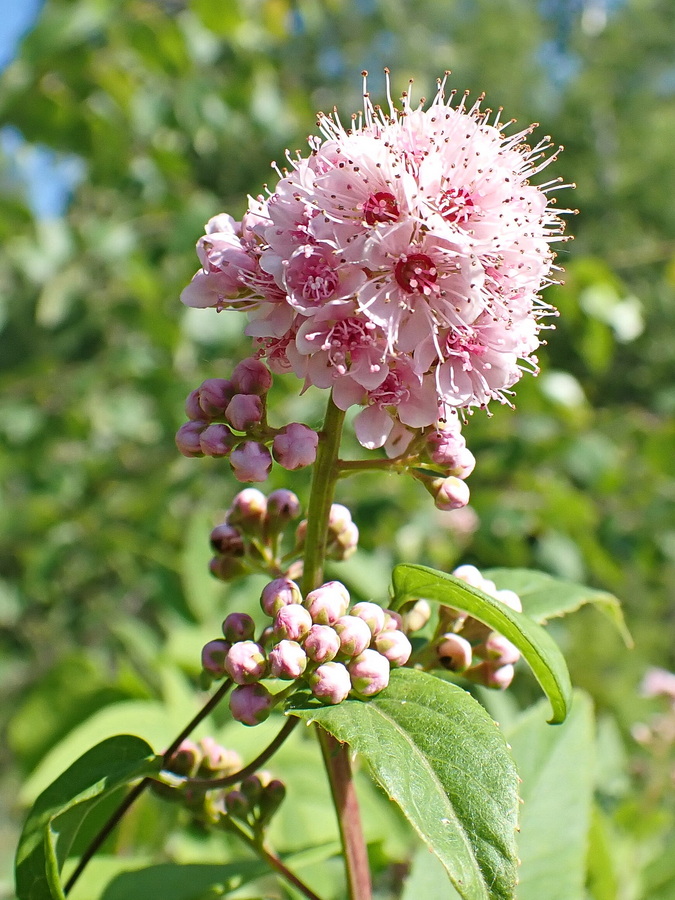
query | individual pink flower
(295,447)
(251,462)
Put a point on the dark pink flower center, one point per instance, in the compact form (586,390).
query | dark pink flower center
(416,273)
(380,207)
(456,205)
(392,392)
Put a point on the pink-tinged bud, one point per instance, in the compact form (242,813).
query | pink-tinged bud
(295,447)
(245,662)
(327,603)
(187,438)
(282,506)
(443,447)
(470,574)
(369,672)
(227,539)
(510,599)
(394,646)
(271,799)
(354,635)
(322,643)
(392,620)
(251,704)
(498,649)
(339,518)
(371,613)
(301,533)
(244,411)
(287,660)
(292,622)
(214,655)
(492,675)
(238,627)
(344,544)
(214,395)
(218,759)
(192,408)
(416,617)
(454,652)
(248,510)
(330,683)
(251,377)
(251,462)
(216,440)
(658,682)
(185,760)
(277,594)
(251,787)
(227,567)
(236,803)
(464,464)
(449,493)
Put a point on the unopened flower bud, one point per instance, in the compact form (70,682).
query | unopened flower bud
(227,539)
(498,649)
(339,518)
(344,544)
(392,620)
(187,438)
(216,440)
(192,408)
(214,654)
(251,461)
(449,493)
(238,627)
(327,602)
(444,445)
(227,567)
(217,759)
(287,660)
(510,599)
(470,574)
(214,395)
(245,662)
(322,643)
(272,797)
(251,376)
(330,683)
(237,805)
(369,673)
(371,613)
(417,616)
(292,622)
(252,788)
(279,593)
(185,760)
(454,652)
(251,704)
(354,635)
(463,465)
(394,646)
(244,411)
(295,447)
(282,506)
(490,674)
(248,510)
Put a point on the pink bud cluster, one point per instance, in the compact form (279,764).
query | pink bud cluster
(445,448)
(469,647)
(314,640)
(227,418)
(254,799)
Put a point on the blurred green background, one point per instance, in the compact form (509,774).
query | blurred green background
(145,118)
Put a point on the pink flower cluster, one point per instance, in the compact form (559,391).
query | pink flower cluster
(240,401)
(399,264)
(467,638)
(316,640)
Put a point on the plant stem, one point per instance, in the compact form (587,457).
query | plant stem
(335,754)
(138,789)
(273,861)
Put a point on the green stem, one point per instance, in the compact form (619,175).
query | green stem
(336,755)
(273,861)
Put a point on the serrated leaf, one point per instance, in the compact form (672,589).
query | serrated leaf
(59,811)
(546,597)
(536,646)
(557,769)
(439,755)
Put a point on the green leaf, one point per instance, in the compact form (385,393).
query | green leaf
(59,811)
(538,648)
(545,597)
(439,755)
(427,878)
(556,766)
(171,881)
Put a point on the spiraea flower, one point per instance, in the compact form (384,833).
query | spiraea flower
(398,264)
